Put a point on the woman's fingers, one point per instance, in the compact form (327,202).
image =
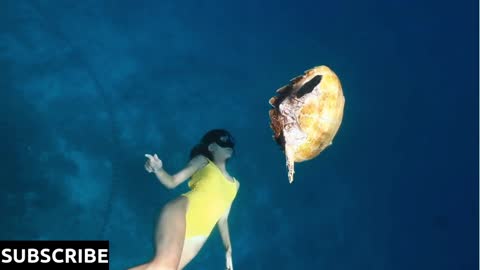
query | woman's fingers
(148,167)
(153,160)
(154,157)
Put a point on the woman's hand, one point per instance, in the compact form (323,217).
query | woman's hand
(228,257)
(153,163)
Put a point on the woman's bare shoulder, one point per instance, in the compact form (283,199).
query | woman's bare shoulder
(198,161)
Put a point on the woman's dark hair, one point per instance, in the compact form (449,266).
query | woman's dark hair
(212,136)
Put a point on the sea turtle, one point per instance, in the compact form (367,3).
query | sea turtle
(307,114)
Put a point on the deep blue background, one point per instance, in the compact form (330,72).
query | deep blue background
(89,87)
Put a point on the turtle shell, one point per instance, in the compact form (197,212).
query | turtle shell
(306,115)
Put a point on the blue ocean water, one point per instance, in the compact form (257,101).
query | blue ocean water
(89,87)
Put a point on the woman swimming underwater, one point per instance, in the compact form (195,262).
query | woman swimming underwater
(186,222)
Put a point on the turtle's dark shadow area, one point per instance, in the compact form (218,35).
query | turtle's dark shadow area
(309,86)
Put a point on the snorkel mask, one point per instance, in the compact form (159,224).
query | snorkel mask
(226,140)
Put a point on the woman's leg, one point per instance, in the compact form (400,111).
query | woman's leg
(191,247)
(169,237)
(170,233)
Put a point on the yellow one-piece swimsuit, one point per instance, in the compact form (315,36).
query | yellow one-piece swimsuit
(210,196)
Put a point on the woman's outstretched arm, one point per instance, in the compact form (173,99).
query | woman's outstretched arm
(225,234)
(155,165)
